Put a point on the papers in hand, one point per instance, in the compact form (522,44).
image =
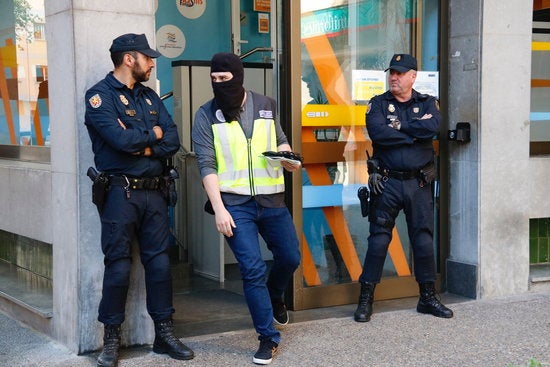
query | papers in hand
(275,158)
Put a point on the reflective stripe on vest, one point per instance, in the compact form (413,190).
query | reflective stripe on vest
(241,168)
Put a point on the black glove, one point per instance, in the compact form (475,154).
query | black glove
(427,174)
(375,183)
(375,178)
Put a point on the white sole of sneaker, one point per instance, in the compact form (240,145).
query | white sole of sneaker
(261,361)
(278,323)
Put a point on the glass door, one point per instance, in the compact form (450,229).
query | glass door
(345,47)
(252,30)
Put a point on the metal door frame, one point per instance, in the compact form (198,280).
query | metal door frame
(300,297)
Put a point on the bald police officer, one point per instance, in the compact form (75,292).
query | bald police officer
(401,124)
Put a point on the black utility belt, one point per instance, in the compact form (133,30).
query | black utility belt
(405,175)
(136,183)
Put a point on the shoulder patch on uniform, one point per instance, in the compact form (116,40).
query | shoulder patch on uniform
(95,101)
(266,114)
(368,108)
(437,104)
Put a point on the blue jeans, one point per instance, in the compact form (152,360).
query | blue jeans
(277,229)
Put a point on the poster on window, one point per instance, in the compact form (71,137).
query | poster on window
(427,82)
(263,23)
(262,5)
(367,84)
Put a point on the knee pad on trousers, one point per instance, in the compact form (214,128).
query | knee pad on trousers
(382,222)
(157,269)
(117,273)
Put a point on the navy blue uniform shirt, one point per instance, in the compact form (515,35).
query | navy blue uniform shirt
(410,147)
(139,109)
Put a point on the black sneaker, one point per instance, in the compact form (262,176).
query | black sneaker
(280,314)
(265,352)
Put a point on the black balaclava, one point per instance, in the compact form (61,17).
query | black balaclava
(229,95)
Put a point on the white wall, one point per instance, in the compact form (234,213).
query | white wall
(494,184)
(539,187)
(504,138)
(26,199)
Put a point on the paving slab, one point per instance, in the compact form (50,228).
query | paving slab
(511,331)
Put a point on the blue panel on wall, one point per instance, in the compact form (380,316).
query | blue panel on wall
(329,195)
(205,35)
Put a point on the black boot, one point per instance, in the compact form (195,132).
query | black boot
(428,302)
(166,342)
(364,307)
(111,345)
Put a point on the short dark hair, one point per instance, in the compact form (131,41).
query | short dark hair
(117,57)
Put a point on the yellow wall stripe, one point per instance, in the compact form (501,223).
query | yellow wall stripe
(319,115)
(540,46)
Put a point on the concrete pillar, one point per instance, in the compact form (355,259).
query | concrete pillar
(79,34)
(489,86)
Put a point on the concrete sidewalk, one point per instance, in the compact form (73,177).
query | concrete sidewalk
(512,331)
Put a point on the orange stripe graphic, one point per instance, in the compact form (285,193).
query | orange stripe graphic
(336,90)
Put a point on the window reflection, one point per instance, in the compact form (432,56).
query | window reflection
(346,45)
(24,116)
(540,81)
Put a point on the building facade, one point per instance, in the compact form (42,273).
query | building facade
(322,61)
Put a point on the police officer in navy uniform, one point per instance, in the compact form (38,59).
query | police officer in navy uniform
(401,124)
(132,135)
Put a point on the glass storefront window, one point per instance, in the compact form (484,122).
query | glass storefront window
(346,45)
(540,82)
(24,117)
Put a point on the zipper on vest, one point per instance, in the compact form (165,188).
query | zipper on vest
(250,168)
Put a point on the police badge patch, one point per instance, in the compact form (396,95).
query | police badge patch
(220,116)
(95,101)
(266,114)
(368,108)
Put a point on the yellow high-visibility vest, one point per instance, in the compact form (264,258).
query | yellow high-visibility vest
(241,168)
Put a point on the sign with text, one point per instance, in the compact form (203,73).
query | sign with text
(263,23)
(262,5)
(367,84)
(427,82)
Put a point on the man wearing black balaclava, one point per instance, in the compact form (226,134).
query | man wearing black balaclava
(246,192)
(228,94)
